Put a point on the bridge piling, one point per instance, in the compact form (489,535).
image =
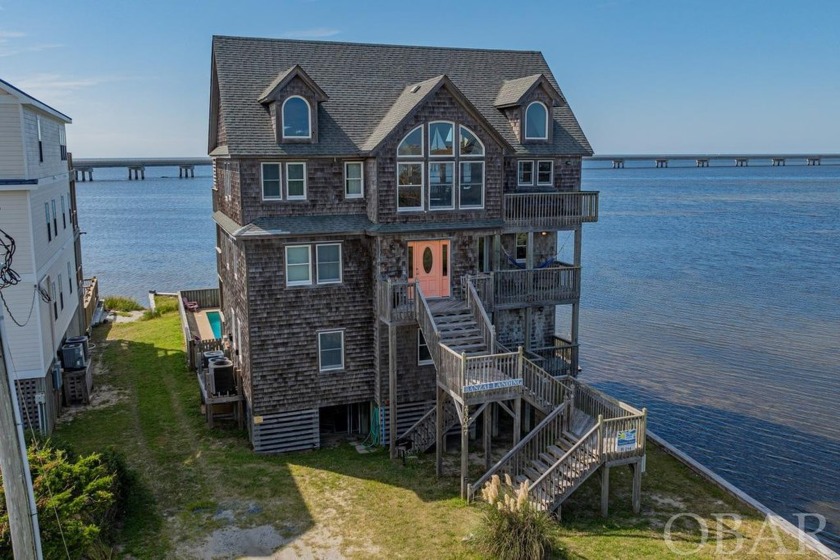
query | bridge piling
(742,162)
(702,162)
(662,163)
(777,161)
(812,161)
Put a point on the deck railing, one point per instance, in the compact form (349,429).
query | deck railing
(485,326)
(550,285)
(427,326)
(396,300)
(544,390)
(528,449)
(90,299)
(559,360)
(551,209)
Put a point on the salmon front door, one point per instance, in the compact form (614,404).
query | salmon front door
(428,265)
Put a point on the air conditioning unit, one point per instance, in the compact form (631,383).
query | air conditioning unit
(83,340)
(221,375)
(73,356)
(209,355)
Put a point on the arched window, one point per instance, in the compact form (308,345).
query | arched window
(296,119)
(536,122)
(470,145)
(412,144)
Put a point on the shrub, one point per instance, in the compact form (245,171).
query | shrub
(166,304)
(513,529)
(122,303)
(84,493)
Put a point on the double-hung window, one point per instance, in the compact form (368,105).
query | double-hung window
(353,179)
(525,173)
(545,172)
(61,291)
(328,258)
(298,265)
(226,179)
(69,277)
(409,186)
(63,213)
(54,298)
(440,185)
(54,218)
(62,143)
(40,140)
(47,212)
(521,247)
(296,181)
(471,191)
(330,350)
(271,181)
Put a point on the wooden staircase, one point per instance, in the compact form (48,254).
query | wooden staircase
(457,326)
(421,435)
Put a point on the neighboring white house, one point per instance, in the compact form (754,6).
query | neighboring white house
(38,212)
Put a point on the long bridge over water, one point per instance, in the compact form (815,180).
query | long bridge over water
(137,166)
(702,160)
(83,168)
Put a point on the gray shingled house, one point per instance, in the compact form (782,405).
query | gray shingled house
(387,231)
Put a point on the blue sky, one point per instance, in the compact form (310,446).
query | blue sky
(659,76)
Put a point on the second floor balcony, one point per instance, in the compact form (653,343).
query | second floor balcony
(549,210)
(556,284)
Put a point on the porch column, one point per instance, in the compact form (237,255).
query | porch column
(441,396)
(392,390)
(605,490)
(488,432)
(465,451)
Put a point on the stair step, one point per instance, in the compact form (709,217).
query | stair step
(556,451)
(539,465)
(472,349)
(531,473)
(519,479)
(450,317)
(461,340)
(548,458)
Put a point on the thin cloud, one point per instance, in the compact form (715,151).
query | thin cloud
(314,33)
(10,45)
(57,88)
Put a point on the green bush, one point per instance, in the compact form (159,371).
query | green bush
(512,529)
(122,303)
(78,498)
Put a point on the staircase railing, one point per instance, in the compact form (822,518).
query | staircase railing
(529,448)
(422,434)
(568,472)
(544,390)
(427,325)
(485,326)
(396,300)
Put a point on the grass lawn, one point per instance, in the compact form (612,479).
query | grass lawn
(201,490)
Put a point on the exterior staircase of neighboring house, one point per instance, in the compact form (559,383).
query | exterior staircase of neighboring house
(582,429)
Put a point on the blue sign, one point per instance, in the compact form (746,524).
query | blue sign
(626,440)
(504,384)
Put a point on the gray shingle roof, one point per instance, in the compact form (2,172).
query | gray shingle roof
(363,83)
(298,225)
(512,90)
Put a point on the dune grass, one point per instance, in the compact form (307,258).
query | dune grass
(195,481)
(124,304)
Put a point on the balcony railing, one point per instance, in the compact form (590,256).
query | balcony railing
(560,359)
(396,300)
(550,210)
(550,285)
(90,299)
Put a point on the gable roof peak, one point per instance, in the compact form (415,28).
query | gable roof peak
(513,91)
(286,76)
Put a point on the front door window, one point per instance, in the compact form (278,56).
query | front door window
(429,266)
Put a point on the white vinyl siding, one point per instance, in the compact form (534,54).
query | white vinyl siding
(52,164)
(11,146)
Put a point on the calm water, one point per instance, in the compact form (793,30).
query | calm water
(710,296)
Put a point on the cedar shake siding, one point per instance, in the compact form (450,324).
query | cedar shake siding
(363,101)
(284,325)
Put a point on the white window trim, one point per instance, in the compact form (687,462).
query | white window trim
(454,184)
(226,179)
(481,207)
(516,246)
(286,183)
(422,143)
(420,362)
(340,265)
(361,165)
(519,174)
(537,173)
(454,143)
(298,282)
(331,368)
(70,277)
(422,187)
(483,149)
(283,119)
(525,121)
(279,181)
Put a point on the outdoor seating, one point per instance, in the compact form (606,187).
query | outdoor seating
(190,305)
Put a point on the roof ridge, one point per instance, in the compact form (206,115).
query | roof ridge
(367,44)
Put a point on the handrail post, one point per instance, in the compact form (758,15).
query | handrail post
(643,435)
(463,372)
(600,435)
(520,362)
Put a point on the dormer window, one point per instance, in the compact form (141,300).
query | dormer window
(536,122)
(296,118)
